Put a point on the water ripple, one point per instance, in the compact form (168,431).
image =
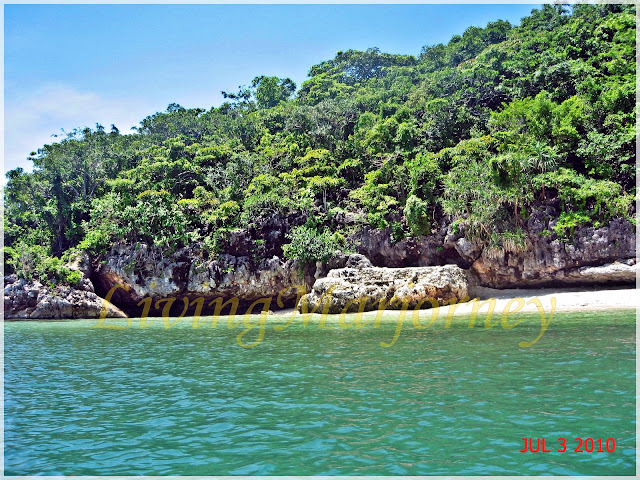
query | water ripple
(191,402)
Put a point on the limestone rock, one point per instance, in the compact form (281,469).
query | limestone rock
(34,300)
(545,260)
(82,263)
(617,272)
(146,273)
(340,260)
(250,270)
(593,256)
(346,288)
(241,277)
(358,261)
(442,247)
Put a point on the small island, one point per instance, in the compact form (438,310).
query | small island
(407,264)
(508,152)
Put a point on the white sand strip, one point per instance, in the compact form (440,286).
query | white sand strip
(567,300)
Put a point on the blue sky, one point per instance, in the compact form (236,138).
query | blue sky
(70,66)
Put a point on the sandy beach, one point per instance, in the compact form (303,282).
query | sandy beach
(566,300)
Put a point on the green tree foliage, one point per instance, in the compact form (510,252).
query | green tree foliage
(270,91)
(310,246)
(416,212)
(264,92)
(34,262)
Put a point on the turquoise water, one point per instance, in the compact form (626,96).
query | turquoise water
(309,401)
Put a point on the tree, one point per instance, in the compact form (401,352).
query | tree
(475,132)
(309,246)
(355,66)
(264,92)
(270,91)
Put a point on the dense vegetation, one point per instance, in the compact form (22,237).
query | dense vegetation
(472,133)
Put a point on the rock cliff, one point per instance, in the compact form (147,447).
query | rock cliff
(592,256)
(188,273)
(252,270)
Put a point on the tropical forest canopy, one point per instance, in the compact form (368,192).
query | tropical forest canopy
(474,133)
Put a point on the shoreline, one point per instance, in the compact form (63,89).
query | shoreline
(567,300)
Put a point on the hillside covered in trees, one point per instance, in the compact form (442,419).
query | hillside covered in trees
(472,134)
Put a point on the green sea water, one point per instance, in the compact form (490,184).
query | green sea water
(319,401)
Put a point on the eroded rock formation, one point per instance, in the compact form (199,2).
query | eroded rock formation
(592,256)
(148,274)
(34,300)
(444,265)
(605,255)
(364,287)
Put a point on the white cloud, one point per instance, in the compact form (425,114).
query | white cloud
(30,120)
